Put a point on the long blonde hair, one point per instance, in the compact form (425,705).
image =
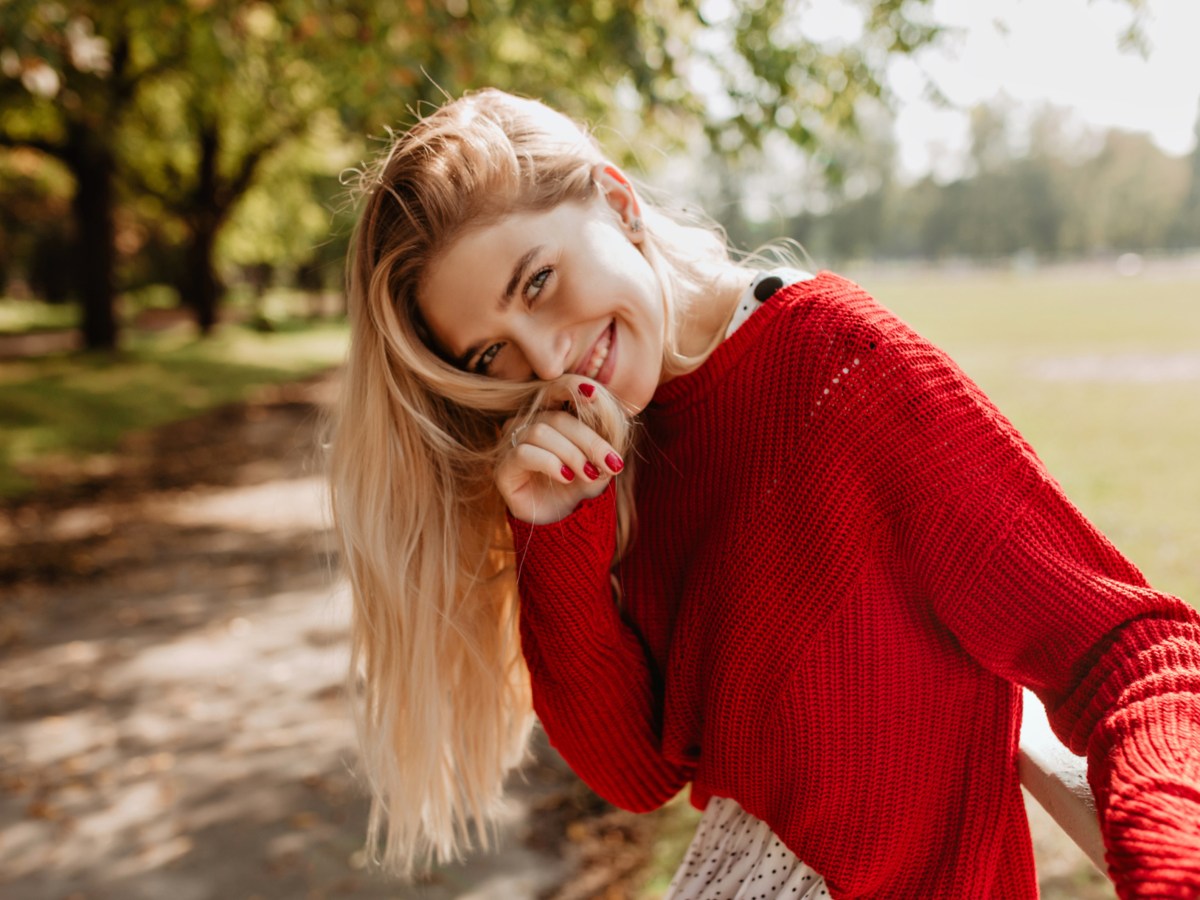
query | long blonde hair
(442,698)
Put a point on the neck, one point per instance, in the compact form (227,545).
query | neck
(709,310)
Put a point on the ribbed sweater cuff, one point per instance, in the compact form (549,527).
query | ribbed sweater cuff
(1146,771)
(1152,817)
(583,535)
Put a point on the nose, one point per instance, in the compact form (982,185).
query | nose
(546,347)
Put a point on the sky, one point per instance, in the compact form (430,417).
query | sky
(1063,52)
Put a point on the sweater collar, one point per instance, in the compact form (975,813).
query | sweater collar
(682,390)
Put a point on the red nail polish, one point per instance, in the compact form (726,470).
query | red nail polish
(587,389)
(567,473)
(614,462)
(591,471)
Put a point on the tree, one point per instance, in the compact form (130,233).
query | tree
(991,138)
(1185,230)
(248,83)
(69,79)
(35,201)
(1130,193)
(186,102)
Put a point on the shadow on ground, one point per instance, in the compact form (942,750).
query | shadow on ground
(171,689)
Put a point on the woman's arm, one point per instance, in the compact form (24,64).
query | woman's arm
(1035,593)
(1117,665)
(593,684)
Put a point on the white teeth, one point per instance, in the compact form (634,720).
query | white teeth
(599,355)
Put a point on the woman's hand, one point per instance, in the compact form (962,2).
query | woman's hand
(555,462)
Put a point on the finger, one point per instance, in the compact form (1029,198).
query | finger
(585,439)
(549,436)
(570,391)
(532,458)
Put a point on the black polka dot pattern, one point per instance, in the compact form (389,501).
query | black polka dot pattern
(735,856)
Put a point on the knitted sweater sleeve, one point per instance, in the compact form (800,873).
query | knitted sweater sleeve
(592,680)
(1035,593)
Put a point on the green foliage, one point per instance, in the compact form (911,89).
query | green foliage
(1185,230)
(285,216)
(35,194)
(784,79)
(231,118)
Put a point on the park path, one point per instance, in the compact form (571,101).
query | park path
(172,722)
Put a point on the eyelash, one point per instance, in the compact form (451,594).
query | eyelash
(544,274)
(485,359)
(537,280)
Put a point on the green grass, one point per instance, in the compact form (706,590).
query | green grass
(80,404)
(21,316)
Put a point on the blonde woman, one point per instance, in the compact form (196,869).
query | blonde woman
(743,531)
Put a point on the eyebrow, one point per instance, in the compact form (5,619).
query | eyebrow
(505,299)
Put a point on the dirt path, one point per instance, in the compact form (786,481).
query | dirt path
(172,724)
(172,721)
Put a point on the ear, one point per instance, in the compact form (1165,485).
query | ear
(618,192)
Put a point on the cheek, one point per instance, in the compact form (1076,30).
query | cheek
(655,310)
(641,284)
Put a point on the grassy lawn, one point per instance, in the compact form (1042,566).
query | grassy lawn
(17,316)
(81,404)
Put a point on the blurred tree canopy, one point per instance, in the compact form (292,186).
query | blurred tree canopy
(167,114)
(183,138)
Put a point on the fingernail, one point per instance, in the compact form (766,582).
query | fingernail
(591,471)
(587,389)
(614,462)
(567,473)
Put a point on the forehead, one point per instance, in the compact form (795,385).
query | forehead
(475,266)
(477,249)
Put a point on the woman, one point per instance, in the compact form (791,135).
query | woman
(813,601)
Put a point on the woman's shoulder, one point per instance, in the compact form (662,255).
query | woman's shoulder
(829,294)
(828,307)
(836,334)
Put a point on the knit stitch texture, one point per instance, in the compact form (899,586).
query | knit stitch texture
(837,528)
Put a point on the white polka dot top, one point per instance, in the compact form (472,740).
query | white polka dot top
(735,856)
(760,290)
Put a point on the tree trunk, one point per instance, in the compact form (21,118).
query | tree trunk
(202,289)
(202,293)
(93,167)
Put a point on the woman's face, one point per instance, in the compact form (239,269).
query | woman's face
(536,295)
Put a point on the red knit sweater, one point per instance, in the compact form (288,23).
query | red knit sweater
(846,561)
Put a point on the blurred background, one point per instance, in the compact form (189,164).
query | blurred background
(1019,179)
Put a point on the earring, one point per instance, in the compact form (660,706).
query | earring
(635,226)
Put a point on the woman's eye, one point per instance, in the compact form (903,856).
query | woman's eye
(485,359)
(537,282)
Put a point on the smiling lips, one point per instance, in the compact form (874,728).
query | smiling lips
(599,355)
